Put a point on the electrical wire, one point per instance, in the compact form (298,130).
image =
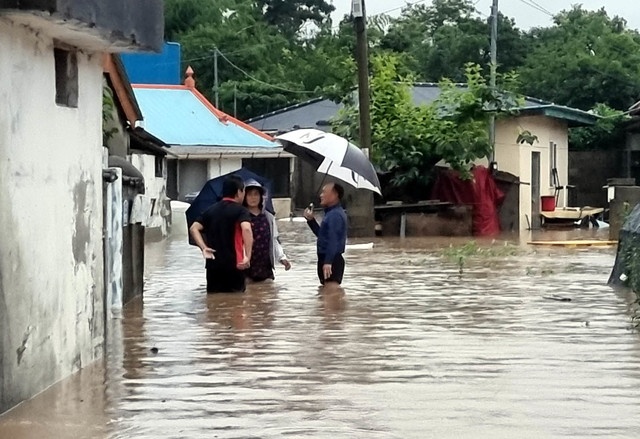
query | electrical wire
(537,8)
(540,6)
(253,78)
(408,4)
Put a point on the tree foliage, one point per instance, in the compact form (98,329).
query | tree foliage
(290,15)
(410,139)
(280,52)
(586,58)
(444,37)
(607,133)
(264,65)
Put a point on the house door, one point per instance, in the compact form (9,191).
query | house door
(535,191)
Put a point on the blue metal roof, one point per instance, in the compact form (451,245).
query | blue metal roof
(180,116)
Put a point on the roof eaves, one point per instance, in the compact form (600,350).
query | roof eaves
(117,61)
(118,81)
(150,142)
(285,109)
(573,115)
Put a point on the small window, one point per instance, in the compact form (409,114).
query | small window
(159,166)
(553,161)
(66,77)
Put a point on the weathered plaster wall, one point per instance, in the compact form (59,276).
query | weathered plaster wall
(51,261)
(155,188)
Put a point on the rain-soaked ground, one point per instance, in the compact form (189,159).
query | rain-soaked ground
(414,349)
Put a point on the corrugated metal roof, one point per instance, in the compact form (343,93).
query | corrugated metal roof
(316,113)
(181,116)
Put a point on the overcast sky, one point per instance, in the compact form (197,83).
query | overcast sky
(526,16)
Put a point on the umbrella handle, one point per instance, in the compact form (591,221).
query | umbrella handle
(324,178)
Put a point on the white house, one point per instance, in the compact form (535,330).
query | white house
(532,164)
(206,143)
(128,139)
(52,304)
(535,164)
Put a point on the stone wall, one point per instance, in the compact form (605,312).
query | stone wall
(51,256)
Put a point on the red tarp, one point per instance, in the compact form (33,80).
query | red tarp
(481,192)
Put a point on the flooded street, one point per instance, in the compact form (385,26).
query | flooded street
(414,349)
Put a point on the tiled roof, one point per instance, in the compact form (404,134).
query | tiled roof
(318,112)
(182,116)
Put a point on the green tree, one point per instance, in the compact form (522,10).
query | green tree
(254,54)
(444,37)
(290,15)
(607,133)
(409,140)
(586,58)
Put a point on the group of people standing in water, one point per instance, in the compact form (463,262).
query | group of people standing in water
(239,238)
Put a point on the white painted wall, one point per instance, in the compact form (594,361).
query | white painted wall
(51,256)
(222,166)
(155,188)
(516,159)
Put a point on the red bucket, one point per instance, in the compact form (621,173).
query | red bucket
(548,203)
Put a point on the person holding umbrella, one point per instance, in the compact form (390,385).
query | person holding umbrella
(223,233)
(267,249)
(332,235)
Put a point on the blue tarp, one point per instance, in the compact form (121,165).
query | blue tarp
(211,193)
(154,68)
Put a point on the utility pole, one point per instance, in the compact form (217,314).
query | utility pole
(216,86)
(493,74)
(360,206)
(362,59)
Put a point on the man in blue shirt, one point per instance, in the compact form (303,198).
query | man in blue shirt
(332,234)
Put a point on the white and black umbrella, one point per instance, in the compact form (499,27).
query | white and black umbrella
(332,155)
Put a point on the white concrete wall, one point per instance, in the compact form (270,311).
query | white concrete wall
(51,251)
(155,188)
(516,159)
(222,166)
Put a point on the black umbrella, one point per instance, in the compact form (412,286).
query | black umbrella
(332,155)
(211,193)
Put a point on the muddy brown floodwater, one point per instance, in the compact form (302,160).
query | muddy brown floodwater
(412,350)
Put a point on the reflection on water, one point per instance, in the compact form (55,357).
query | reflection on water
(409,348)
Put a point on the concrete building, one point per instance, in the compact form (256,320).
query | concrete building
(52,292)
(533,164)
(128,139)
(207,143)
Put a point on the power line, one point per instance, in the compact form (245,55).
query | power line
(253,78)
(540,6)
(402,7)
(388,10)
(537,8)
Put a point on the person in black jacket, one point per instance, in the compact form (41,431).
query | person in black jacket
(224,236)
(332,234)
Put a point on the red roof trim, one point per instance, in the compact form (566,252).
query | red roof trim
(160,86)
